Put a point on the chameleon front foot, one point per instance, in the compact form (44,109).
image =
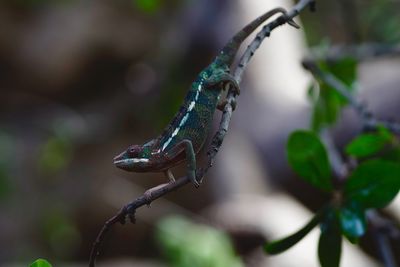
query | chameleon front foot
(192,177)
(169,175)
(148,195)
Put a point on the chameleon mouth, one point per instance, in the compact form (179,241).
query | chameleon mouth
(120,163)
(129,162)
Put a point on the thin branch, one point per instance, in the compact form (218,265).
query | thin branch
(266,31)
(382,229)
(130,209)
(360,52)
(339,167)
(369,121)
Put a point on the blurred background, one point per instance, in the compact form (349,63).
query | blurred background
(82,80)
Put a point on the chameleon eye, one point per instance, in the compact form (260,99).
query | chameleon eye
(132,151)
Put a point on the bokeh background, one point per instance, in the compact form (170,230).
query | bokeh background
(82,80)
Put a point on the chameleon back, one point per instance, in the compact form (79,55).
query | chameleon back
(194,118)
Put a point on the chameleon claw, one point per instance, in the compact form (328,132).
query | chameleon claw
(233,104)
(132,218)
(192,178)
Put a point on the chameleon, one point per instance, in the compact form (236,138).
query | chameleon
(183,138)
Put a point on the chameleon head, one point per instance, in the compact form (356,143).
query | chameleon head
(132,159)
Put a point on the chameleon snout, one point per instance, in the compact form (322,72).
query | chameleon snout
(120,160)
(119,157)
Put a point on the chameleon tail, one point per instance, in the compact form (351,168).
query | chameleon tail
(229,51)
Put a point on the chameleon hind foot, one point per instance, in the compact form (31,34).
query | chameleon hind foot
(221,104)
(223,78)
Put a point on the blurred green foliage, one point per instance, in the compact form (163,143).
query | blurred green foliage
(55,155)
(369,144)
(60,232)
(374,183)
(7,160)
(371,22)
(380,21)
(330,240)
(352,220)
(147,6)
(327,102)
(188,244)
(5,183)
(40,263)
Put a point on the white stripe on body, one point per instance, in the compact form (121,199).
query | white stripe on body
(185,118)
(134,160)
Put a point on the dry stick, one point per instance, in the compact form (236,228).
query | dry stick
(369,121)
(130,209)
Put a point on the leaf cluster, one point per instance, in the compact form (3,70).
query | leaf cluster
(373,183)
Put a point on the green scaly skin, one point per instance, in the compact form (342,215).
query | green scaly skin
(185,135)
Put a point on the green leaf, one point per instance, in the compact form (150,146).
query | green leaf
(326,108)
(374,183)
(352,220)
(344,69)
(40,263)
(330,241)
(368,144)
(308,158)
(283,244)
(329,103)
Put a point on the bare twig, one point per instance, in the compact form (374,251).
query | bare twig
(130,209)
(369,121)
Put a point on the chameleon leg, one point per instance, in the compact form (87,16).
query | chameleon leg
(187,147)
(170,176)
(224,78)
(149,192)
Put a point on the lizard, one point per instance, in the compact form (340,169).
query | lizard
(183,138)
